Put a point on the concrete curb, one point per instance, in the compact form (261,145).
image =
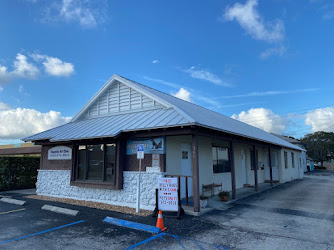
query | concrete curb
(190,210)
(133,225)
(13,201)
(60,210)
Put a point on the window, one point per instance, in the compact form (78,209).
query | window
(293,159)
(252,161)
(96,163)
(286,159)
(221,162)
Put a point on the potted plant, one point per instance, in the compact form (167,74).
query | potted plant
(203,201)
(223,195)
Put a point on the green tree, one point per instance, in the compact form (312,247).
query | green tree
(320,146)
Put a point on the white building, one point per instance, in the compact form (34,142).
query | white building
(94,156)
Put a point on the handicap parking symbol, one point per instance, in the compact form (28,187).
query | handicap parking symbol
(140,147)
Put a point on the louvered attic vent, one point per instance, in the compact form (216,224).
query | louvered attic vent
(119,98)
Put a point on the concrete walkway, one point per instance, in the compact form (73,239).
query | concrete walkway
(215,203)
(241,193)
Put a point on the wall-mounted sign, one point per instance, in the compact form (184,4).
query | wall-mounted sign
(60,153)
(167,194)
(151,146)
(155,160)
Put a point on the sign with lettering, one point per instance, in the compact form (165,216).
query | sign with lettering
(60,153)
(140,151)
(167,194)
(154,145)
(155,160)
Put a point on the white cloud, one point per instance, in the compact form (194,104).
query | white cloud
(321,119)
(183,94)
(206,76)
(19,123)
(24,69)
(273,51)
(21,69)
(250,20)
(325,8)
(4,106)
(155,61)
(169,84)
(21,89)
(262,118)
(4,76)
(88,14)
(269,93)
(197,94)
(56,67)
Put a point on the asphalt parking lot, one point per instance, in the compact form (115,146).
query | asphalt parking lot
(32,228)
(296,215)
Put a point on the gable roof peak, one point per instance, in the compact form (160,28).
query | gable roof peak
(119,94)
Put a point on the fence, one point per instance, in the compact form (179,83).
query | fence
(18,172)
(329,166)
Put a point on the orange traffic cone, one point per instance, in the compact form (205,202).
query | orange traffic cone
(160,222)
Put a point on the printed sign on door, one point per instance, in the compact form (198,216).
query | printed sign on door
(155,160)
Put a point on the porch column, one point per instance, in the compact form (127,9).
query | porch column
(120,160)
(232,165)
(270,168)
(195,172)
(255,168)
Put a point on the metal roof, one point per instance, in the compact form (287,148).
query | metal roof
(178,112)
(208,118)
(110,126)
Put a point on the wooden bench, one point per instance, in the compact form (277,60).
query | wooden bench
(211,188)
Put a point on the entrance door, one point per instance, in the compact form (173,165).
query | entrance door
(243,164)
(186,169)
(274,162)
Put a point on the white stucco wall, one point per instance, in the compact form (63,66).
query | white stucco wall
(304,161)
(56,183)
(290,173)
(262,160)
(173,153)
(206,175)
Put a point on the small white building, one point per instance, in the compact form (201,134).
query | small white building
(298,143)
(94,156)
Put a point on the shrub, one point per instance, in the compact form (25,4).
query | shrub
(18,172)
(223,194)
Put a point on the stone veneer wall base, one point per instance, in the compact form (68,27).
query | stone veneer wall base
(56,183)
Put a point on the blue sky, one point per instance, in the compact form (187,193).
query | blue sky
(267,63)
